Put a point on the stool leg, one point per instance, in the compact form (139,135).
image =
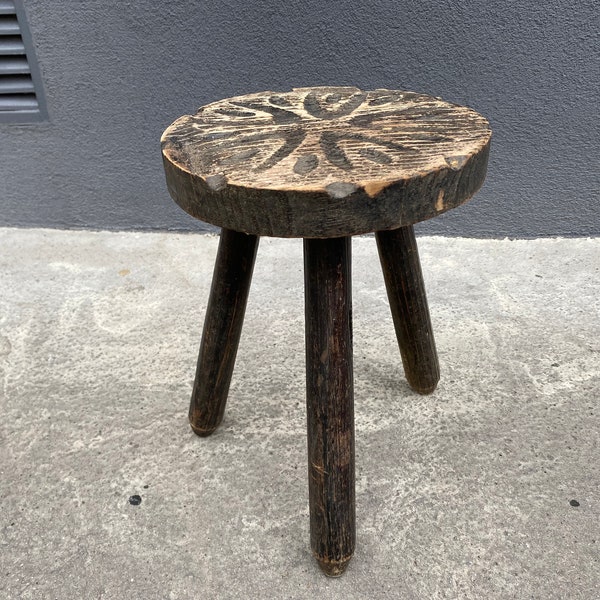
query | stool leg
(329,401)
(222,328)
(406,293)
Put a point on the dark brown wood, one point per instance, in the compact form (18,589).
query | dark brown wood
(406,293)
(325,162)
(222,329)
(330,401)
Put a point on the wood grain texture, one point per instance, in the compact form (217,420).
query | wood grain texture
(330,402)
(325,162)
(399,258)
(222,328)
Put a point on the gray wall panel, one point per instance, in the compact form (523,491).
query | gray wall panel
(117,73)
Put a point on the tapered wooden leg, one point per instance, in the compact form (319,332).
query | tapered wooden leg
(330,402)
(406,292)
(222,328)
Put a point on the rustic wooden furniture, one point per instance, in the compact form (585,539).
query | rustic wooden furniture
(323,164)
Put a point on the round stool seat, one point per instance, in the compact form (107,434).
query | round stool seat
(325,162)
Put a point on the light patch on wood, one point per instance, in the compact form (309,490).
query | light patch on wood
(216,182)
(373,188)
(456,162)
(439,205)
(341,189)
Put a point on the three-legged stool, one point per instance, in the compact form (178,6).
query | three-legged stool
(323,164)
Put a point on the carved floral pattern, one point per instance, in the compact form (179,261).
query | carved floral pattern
(324,134)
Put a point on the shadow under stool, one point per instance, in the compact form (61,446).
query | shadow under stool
(322,164)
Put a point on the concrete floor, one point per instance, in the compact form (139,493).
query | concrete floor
(489,488)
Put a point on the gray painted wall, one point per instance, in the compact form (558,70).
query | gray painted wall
(117,73)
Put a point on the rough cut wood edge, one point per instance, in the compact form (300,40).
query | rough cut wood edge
(318,215)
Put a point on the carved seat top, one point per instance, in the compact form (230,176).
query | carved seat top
(324,149)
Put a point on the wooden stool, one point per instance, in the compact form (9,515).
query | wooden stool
(323,164)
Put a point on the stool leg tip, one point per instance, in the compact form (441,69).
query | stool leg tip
(202,432)
(423,385)
(424,390)
(334,569)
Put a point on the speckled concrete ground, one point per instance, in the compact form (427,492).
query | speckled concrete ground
(488,489)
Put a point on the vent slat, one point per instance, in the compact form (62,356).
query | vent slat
(16,84)
(21,93)
(14,65)
(16,102)
(7,7)
(9,25)
(11,44)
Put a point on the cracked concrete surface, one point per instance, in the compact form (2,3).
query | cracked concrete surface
(489,488)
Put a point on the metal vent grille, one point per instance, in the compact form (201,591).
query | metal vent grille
(21,97)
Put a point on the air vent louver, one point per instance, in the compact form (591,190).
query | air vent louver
(21,98)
